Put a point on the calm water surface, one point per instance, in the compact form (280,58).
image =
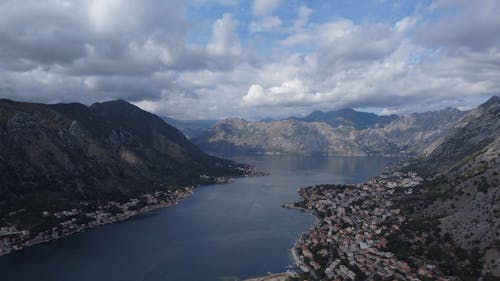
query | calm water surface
(222,232)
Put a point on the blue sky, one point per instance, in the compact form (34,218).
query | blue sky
(203,14)
(199,59)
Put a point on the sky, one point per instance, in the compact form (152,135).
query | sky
(210,59)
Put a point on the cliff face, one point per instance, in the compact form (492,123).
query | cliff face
(107,151)
(345,133)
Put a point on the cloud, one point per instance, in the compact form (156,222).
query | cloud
(264,7)
(62,51)
(461,24)
(228,3)
(291,92)
(265,24)
(194,59)
(225,40)
(375,65)
(303,16)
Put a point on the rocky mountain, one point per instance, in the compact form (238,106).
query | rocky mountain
(410,134)
(338,133)
(190,128)
(462,194)
(59,155)
(472,134)
(235,135)
(349,117)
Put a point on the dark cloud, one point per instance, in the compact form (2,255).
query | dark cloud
(461,24)
(32,33)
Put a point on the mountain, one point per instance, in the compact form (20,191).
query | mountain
(349,117)
(410,134)
(406,135)
(57,156)
(461,197)
(190,128)
(233,135)
(477,130)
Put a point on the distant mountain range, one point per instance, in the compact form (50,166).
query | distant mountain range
(190,128)
(59,155)
(336,133)
(349,117)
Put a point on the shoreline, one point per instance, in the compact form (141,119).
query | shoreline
(107,213)
(95,224)
(296,261)
(271,277)
(353,222)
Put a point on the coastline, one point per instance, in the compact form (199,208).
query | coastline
(353,223)
(271,277)
(295,256)
(283,276)
(188,191)
(12,239)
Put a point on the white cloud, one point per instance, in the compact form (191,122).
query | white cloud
(289,93)
(264,7)
(225,40)
(303,17)
(406,24)
(265,24)
(323,34)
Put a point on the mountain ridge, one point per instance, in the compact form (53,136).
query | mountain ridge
(348,117)
(292,135)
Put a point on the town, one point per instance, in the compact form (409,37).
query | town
(349,239)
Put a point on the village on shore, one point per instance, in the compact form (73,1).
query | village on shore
(79,219)
(349,239)
(76,220)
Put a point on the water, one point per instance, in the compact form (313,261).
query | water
(222,232)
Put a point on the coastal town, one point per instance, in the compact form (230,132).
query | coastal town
(75,220)
(349,240)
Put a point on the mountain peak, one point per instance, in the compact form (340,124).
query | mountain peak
(118,102)
(347,109)
(348,117)
(490,102)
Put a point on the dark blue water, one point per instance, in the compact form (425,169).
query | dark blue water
(222,232)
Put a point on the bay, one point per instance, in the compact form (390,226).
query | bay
(222,232)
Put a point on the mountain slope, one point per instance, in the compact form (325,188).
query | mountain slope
(411,133)
(462,193)
(473,133)
(190,128)
(54,155)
